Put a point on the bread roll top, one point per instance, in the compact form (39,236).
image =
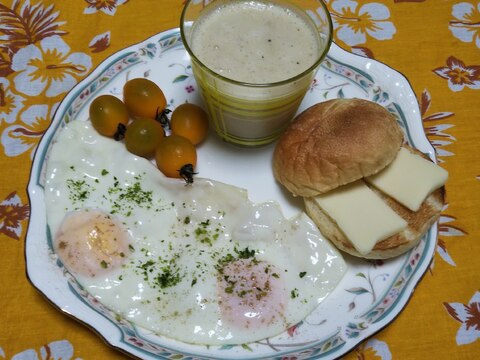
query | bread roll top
(334,143)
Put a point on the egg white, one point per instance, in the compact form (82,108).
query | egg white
(180,240)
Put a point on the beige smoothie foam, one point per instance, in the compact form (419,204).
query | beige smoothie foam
(256,41)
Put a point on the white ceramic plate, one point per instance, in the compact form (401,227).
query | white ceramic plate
(369,297)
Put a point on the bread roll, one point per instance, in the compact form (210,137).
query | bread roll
(334,143)
(340,141)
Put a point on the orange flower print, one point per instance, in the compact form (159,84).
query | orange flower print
(61,349)
(355,21)
(437,133)
(371,349)
(459,75)
(23,24)
(469,318)
(12,213)
(22,137)
(100,42)
(465,25)
(10,103)
(108,7)
(446,229)
(48,67)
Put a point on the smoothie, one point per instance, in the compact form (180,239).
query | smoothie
(256,41)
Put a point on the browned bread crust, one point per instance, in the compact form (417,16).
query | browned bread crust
(418,224)
(334,143)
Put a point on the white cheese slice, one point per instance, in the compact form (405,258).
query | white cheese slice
(409,179)
(362,215)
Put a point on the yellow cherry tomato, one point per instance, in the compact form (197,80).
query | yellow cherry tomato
(190,121)
(107,113)
(143,136)
(176,156)
(144,98)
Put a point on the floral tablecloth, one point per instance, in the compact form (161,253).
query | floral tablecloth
(48,46)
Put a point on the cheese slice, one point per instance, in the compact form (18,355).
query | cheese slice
(361,214)
(409,179)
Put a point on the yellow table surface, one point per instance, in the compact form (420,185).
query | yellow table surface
(434,43)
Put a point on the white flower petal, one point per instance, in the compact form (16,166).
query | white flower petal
(55,43)
(107,34)
(90,10)
(441,143)
(33,113)
(350,37)
(475,298)
(475,85)
(339,5)
(376,11)
(385,30)
(443,153)
(64,85)
(460,310)
(380,347)
(465,336)
(445,256)
(22,57)
(108,11)
(29,354)
(442,72)
(13,143)
(448,230)
(61,349)
(15,107)
(14,200)
(25,84)
(8,118)
(81,60)
(462,33)
(455,87)
(460,10)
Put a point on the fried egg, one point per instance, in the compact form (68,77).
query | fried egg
(199,263)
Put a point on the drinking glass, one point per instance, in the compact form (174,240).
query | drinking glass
(251,114)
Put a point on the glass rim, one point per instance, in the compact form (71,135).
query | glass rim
(260,85)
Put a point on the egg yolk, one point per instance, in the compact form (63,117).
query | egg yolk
(250,293)
(91,242)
